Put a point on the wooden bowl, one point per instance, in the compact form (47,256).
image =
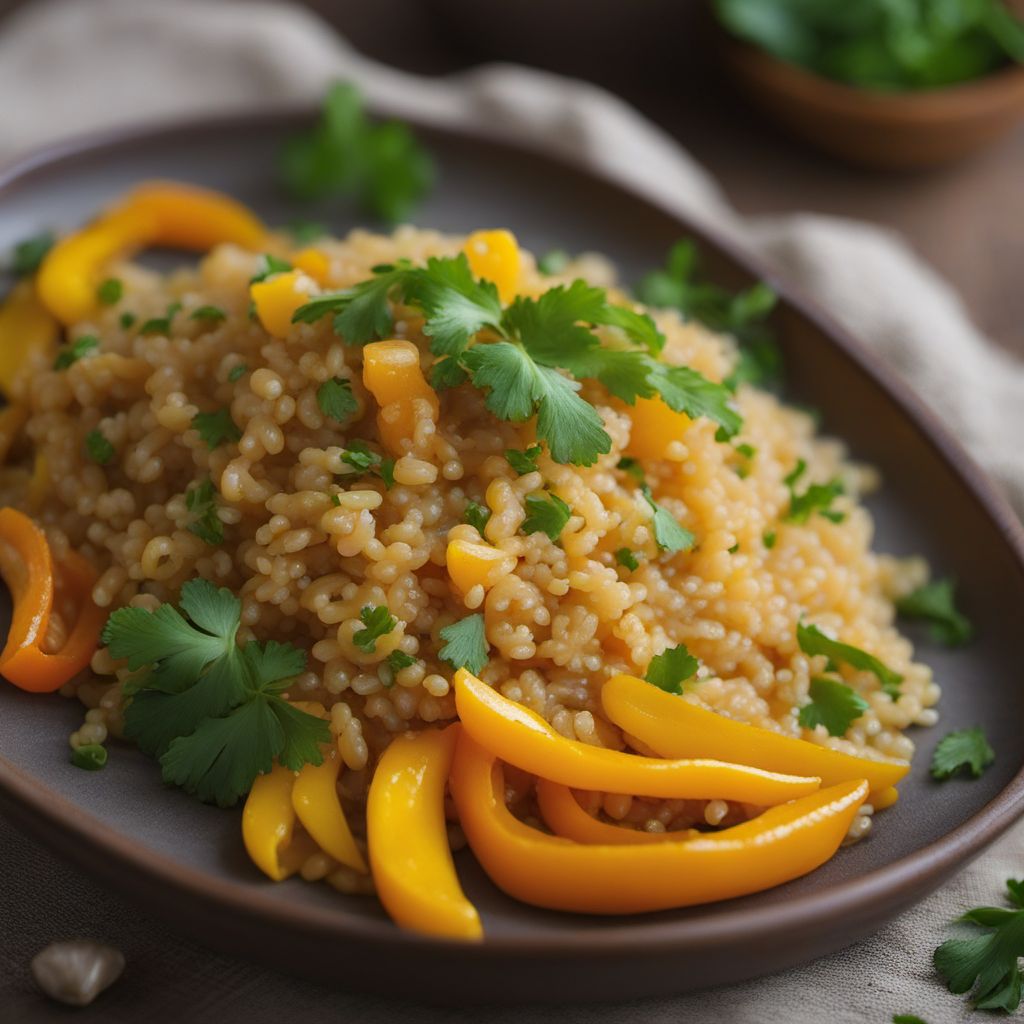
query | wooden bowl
(877,129)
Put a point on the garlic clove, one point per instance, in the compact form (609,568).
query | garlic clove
(76,972)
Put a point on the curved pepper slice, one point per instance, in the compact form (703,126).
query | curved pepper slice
(315,799)
(676,728)
(522,738)
(548,871)
(564,816)
(158,213)
(268,826)
(409,853)
(26,328)
(27,568)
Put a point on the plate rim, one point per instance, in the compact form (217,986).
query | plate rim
(37,809)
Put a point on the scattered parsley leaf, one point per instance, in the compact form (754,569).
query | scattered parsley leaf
(387,472)
(934,602)
(397,660)
(90,756)
(336,501)
(817,498)
(336,400)
(28,254)
(907,1018)
(161,324)
(813,641)
(669,670)
(964,751)
(685,390)
(627,559)
(632,467)
(216,428)
(237,372)
(98,448)
(477,516)
(546,515)
(465,644)
(126,320)
(377,622)
(208,314)
(553,262)
(362,458)
(362,312)
(201,502)
(74,351)
(523,462)
(269,265)
(833,705)
(669,533)
(768,539)
(110,291)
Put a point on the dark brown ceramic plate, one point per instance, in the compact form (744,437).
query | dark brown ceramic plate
(185,861)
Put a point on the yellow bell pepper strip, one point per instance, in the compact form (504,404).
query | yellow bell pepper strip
(392,374)
(564,816)
(315,799)
(27,332)
(494,256)
(409,854)
(276,298)
(781,844)
(673,727)
(655,427)
(470,564)
(158,213)
(26,566)
(312,262)
(268,826)
(522,738)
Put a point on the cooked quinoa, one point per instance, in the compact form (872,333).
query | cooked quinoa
(309,541)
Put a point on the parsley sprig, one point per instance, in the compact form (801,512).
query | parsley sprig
(813,641)
(670,670)
(935,604)
(210,711)
(816,498)
(833,704)
(965,751)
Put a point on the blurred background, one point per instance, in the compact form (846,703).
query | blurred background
(670,59)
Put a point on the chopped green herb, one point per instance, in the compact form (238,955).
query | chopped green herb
(126,320)
(546,515)
(553,262)
(305,231)
(734,548)
(817,498)
(237,372)
(387,472)
(336,501)
(161,324)
(269,265)
(934,603)
(986,964)
(209,710)
(523,462)
(216,428)
(201,502)
(110,291)
(627,559)
(397,660)
(669,533)
(381,166)
(907,1018)
(377,622)
(208,314)
(833,705)
(813,641)
(76,350)
(965,751)
(477,516)
(632,467)
(90,756)
(769,539)
(28,254)
(336,400)
(364,459)
(669,670)
(465,644)
(98,448)
(748,451)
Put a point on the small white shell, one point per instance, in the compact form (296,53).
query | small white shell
(76,972)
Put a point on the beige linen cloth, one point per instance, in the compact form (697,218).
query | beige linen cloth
(71,66)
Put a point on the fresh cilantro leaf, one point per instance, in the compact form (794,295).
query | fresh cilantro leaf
(627,559)
(934,602)
(126,320)
(465,644)
(477,516)
(768,539)
(387,472)
(237,372)
(734,548)
(269,265)
(632,467)
(546,515)
(201,502)
(669,670)
(523,462)
(549,327)
(362,312)
(98,448)
(833,705)
(685,390)
(336,400)
(964,751)
(216,428)
(448,373)
(78,348)
(813,641)
(669,533)
(90,756)
(109,291)
(397,660)
(377,622)
(362,458)
(208,314)
(553,262)
(28,254)
(161,324)
(274,665)
(817,498)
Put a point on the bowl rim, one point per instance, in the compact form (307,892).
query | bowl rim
(152,876)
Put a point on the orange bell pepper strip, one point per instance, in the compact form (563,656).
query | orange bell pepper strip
(27,568)
(28,334)
(158,213)
(494,256)
(392,374)
(673,727)
(564,816)
(522,738)
(781,844)
(268,826)
(409,853)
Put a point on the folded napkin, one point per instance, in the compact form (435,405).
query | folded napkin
(76,66)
